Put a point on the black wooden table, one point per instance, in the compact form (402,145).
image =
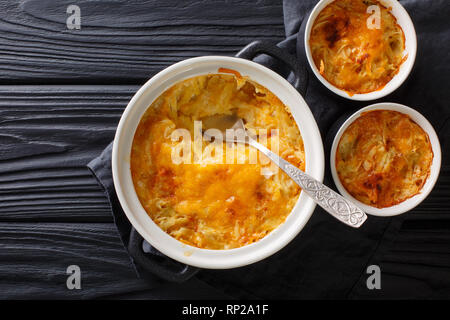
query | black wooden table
(62,93)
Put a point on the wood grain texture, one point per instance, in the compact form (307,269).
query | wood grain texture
(47,136)
(124,41)
(34,258)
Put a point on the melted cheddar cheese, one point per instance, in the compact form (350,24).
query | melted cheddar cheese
(351,52)
(206,204)
(383,158)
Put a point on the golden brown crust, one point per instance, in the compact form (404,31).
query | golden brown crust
(351,56)
(214,206)
(383,158)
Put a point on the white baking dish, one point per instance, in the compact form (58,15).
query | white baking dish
(204,258)
(412,202)
(403,20)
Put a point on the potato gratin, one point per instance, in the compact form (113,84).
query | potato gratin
(383,158)
(207,205)
(354,52)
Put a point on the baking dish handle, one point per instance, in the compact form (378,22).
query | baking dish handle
(153,261)
(258,47)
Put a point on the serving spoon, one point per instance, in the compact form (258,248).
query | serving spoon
(332,202)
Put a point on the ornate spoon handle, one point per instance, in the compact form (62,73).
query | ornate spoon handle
(339,207)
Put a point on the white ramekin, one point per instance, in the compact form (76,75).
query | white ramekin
(203,258)
(412,202)
(404,22)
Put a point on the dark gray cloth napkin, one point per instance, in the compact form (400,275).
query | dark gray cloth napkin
(328,259)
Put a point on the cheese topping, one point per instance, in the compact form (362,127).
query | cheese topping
(383,158)
(352,50)
(208,205)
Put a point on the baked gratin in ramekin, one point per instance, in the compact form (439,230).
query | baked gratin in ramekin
(383,158)
(353,49)
(206,204)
